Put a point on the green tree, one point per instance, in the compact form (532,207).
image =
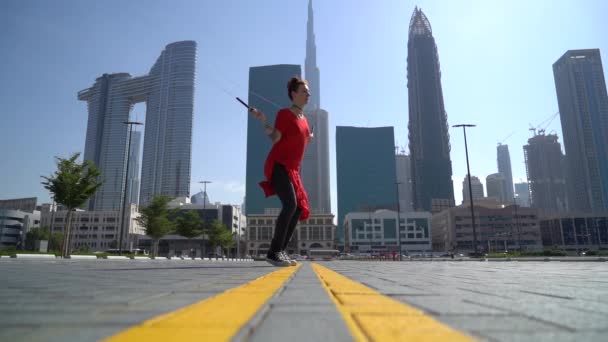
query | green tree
(36,234)
(220,236)
(155,220)
(72,185)
(84,249)
(189,225)
(55,241)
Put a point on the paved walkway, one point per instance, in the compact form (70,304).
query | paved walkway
(89,300)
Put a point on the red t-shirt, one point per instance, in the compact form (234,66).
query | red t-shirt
(289,152)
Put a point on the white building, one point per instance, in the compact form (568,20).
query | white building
(14,225)
(230,215)
(98,230)
(376,232)
(497,228)
(316,232)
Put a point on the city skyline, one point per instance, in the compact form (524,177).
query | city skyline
(507,104)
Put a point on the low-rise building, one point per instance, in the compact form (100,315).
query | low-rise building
(498,228)
(316,232)
(230,215)
(95,230)
(14,225)
(376,232)
(575,232)
(27,204)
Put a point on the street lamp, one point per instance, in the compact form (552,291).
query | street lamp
(205,192)
(124,203)
(464,130)
(398,220)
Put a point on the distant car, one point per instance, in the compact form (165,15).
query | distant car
(298,257)
(346,256)
(215,255)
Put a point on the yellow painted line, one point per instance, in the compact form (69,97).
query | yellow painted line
(371,316)
(218,318)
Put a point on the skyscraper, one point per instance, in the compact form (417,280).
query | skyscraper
(503,159)
(476,188)
(315,166)
(268,93)
(310,63)
(365,170)
(428,127)
(583,107)
(168,91)
(495,187)
(404,179)
(544,166)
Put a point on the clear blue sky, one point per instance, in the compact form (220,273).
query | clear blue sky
(495,56)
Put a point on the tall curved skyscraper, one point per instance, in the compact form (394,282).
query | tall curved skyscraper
(583,111)
(168,91)
(428,128)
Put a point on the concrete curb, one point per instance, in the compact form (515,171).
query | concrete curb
(116,257)
(83,257)
(523,259)
(34,256)
(119,257)
(140,258)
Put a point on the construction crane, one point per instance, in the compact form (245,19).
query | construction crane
(505,139)
(541,127)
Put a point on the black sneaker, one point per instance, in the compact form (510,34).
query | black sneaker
(275,259)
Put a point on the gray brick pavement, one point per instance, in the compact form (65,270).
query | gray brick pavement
(303,311)
(83,300)
(509,301)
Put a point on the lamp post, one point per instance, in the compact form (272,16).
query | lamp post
(205,192)
(398,220)
(464,130)
(124,202)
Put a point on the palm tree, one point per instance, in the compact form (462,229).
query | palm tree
(155,220)
(72,185)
